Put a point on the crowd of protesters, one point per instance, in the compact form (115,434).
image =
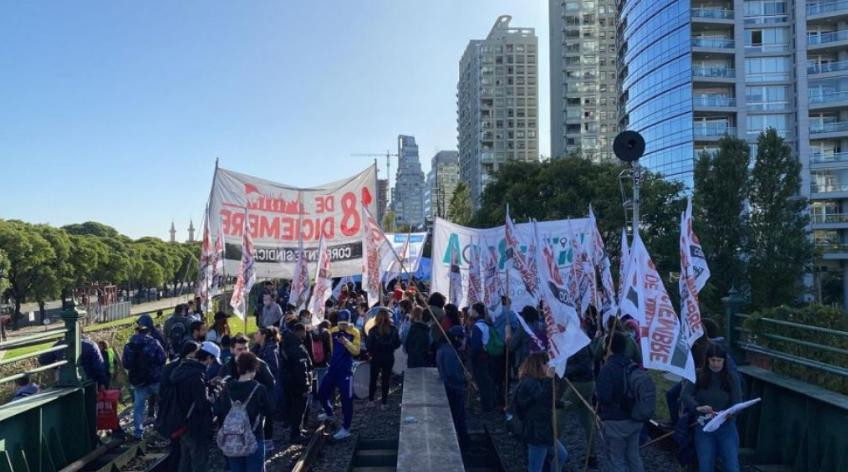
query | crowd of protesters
(200,385)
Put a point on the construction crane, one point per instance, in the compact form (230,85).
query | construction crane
(388,155)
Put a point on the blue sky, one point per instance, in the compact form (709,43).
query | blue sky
(115,111)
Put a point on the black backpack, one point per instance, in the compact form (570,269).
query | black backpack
(177,334)
(640,393)
(140,370)
(171,421)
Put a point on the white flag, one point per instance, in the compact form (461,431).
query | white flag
(395,269)
(608,305)
(492,289)
(565,337)
(525,264)
(217,264)
(299,292)
(378,254)
(664,347)
(323,282)
(247,272)
(474,293)
(694,274)
(204,273)
(581,281)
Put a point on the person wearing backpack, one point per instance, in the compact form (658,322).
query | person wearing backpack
(143,359)
(194,404)
(176,330)
(170,422)
(532,405)
(382,341)
(452,374)
(242,405)
(321,349)
(626,399)
(417,343)
(478,353)
(716,388)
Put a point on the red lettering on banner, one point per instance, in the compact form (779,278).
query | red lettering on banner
(269,228)
(324,203)
(307,229)
(651,281)
(237,224)
(289,229)
(253,224)
(663,336)
(351,218)
(225,221)
(329,228)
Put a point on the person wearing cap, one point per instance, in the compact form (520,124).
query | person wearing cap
(453,376)
(194,402)
(144,358)
(339,374)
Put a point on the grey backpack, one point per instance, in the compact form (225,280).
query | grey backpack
(640,393)
(236,438)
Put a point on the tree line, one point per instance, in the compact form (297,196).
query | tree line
(752,223)
(39,262)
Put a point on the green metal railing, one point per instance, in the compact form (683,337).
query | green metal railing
(790,365)
(53,428)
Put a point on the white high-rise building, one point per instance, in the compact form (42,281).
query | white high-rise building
(408,194)
(497,103)
(441,183)
(584,96)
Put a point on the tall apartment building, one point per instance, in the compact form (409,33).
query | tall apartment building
(691,73)
(382,198)
(408,194)
(441,183)
(584,96)
(497,103)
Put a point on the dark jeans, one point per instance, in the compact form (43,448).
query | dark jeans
(672,399)
(483,379)
(296,414)
(456,401)
(497,369)
(384,369)
(722,443)
(194,453)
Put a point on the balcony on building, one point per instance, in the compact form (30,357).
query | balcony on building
(829,220)
(712,12)
(828,96)
(832,250)
(827,41)
(829,184)
(828,127)
(713,39)
(712,129)
(708,70)
(713,99)
(826,153)
(765,12)
(826,10)
(825,65)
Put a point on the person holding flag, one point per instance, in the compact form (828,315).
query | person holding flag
(346,346)
(247,273)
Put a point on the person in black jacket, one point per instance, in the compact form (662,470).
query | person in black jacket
(579,370)
(417,345)
(168,418)
(257,401)
(381,342)
(621,432)
(298,379)
(194,403)
(532,405)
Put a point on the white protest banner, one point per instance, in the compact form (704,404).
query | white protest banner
(474,292)
(664,347)
(606,296)
(378,256)
(449,237)
(217,264)
(492,289)
(694,274)
(409,247)
(280,215)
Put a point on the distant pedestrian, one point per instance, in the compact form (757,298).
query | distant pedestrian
(198,331)
(143,359)
(110,362)
(219,329)
(417,344)
(346,346)
(176,330)
(382,341)
(532,405)
(271,313)
(453,376)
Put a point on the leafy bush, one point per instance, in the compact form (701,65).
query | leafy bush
(811,315)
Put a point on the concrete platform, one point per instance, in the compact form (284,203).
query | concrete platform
(427,440)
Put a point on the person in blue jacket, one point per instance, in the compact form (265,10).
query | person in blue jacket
(90,360)
(339,375)
(453,376)
(144,359)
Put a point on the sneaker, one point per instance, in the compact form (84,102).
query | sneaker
(325,417)
(341,434)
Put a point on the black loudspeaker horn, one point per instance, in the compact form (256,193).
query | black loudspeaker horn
(628,146)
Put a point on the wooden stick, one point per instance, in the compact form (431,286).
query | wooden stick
(585,403)
(660,438)
(589,449)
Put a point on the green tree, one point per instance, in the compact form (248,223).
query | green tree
(27,252)
(4,273)
(721,185)
(460,210)
(92,228)
(564,188)
(389,222)
(54,275)
(779,248)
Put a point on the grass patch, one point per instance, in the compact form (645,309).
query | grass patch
(663,385)
(22,351)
